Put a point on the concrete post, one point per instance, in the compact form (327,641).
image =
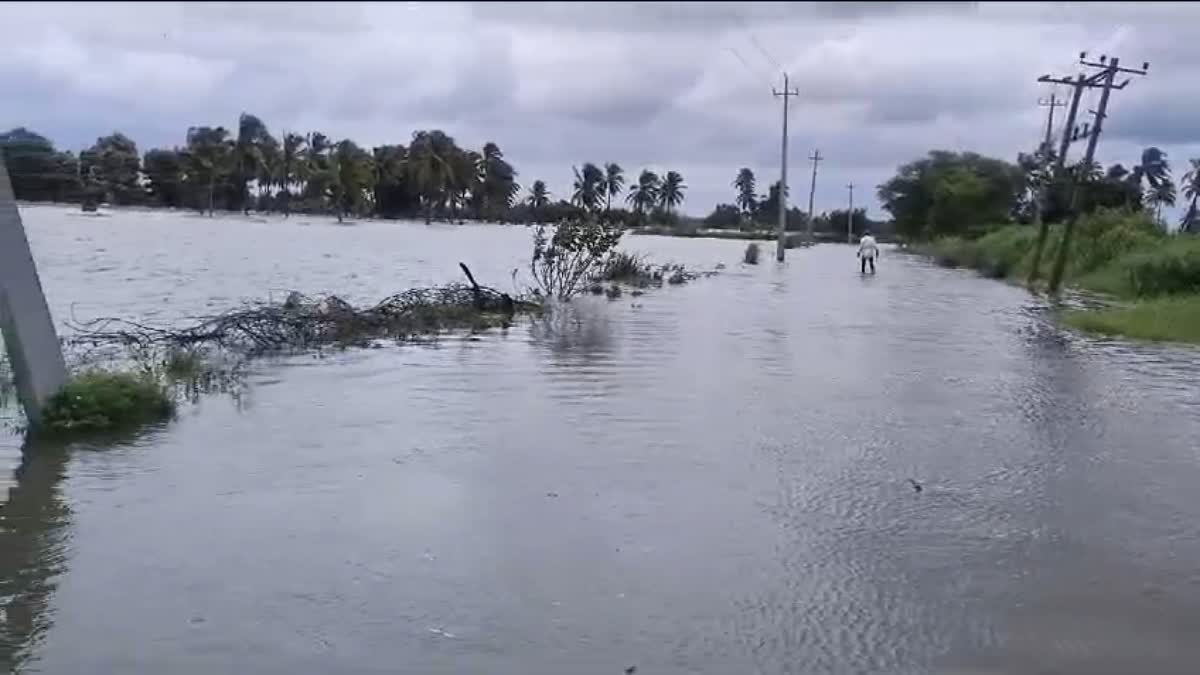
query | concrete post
(29,335)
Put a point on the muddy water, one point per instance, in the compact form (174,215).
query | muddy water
(706,479)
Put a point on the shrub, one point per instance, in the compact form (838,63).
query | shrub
(564,262)
(750,257)
(101,400)
(1173,267)
(623,266)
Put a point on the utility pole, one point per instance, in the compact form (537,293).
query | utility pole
(781,244)
(1106,78)
(1050,105)
(812,190)
(1039,198)
(850,217)
(1077,85)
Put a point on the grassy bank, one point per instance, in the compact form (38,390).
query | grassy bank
(1153,278)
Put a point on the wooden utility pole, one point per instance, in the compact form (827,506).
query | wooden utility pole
(1106,77)
(850,216)
(812,191)
(781,244)
(1077,85)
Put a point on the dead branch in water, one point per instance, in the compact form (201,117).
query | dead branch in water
(304,322)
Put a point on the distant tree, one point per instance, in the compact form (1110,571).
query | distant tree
(644,195)
(670,194)
(1191,190)
(210,159)
(1161,195)
(539,199)
(745,191)
(37,171)
(292,168)
(352,179)
(165,171)
(586,190)
(430,156)
(250,155)
(114,167)
(947,192)
(724,216)
(612,183)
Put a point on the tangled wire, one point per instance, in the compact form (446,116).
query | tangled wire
(304,322)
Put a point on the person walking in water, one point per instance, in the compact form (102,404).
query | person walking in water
(867,251)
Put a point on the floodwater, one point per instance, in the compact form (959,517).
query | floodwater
(706,479)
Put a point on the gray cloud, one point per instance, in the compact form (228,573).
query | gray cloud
(682,86)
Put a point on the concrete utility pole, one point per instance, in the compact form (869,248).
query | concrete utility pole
(1050,106)
(1106,77)
(33,348)
(1040,195)
(850,217)
(781,244)
(1077,85)
(812,190)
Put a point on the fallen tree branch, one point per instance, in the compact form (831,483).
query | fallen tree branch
(302,322)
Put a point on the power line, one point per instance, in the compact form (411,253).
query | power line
(754,41)
(749,69)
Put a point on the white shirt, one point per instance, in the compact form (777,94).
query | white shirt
(867,247)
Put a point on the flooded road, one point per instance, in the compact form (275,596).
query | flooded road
(706,479)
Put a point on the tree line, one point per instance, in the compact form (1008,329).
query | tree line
(949,193)
(751,211)
(431,177)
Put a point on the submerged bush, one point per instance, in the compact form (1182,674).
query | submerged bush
(624,266)
(101,400)
(750,257)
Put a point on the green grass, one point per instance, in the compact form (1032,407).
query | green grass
(1114,253)
(101,400)
(1168,319)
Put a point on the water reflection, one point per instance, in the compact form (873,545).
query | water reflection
(35,531)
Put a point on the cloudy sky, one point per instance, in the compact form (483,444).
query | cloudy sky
(682,86)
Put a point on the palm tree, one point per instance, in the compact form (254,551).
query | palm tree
(1191,190)
(1160,195)
(745,190)
(430,156)
(644,194)
(210,157)
(612,183)
(315,168)
(539,198)
(670,193)
(291,167)
(351,179)
(252,135)
(587,187)
(270,168)
(498,181)
(1152,170)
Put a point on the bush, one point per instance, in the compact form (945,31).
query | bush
(750,257)
(101,400)
(1172,267)
(623,266)
(563,263)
